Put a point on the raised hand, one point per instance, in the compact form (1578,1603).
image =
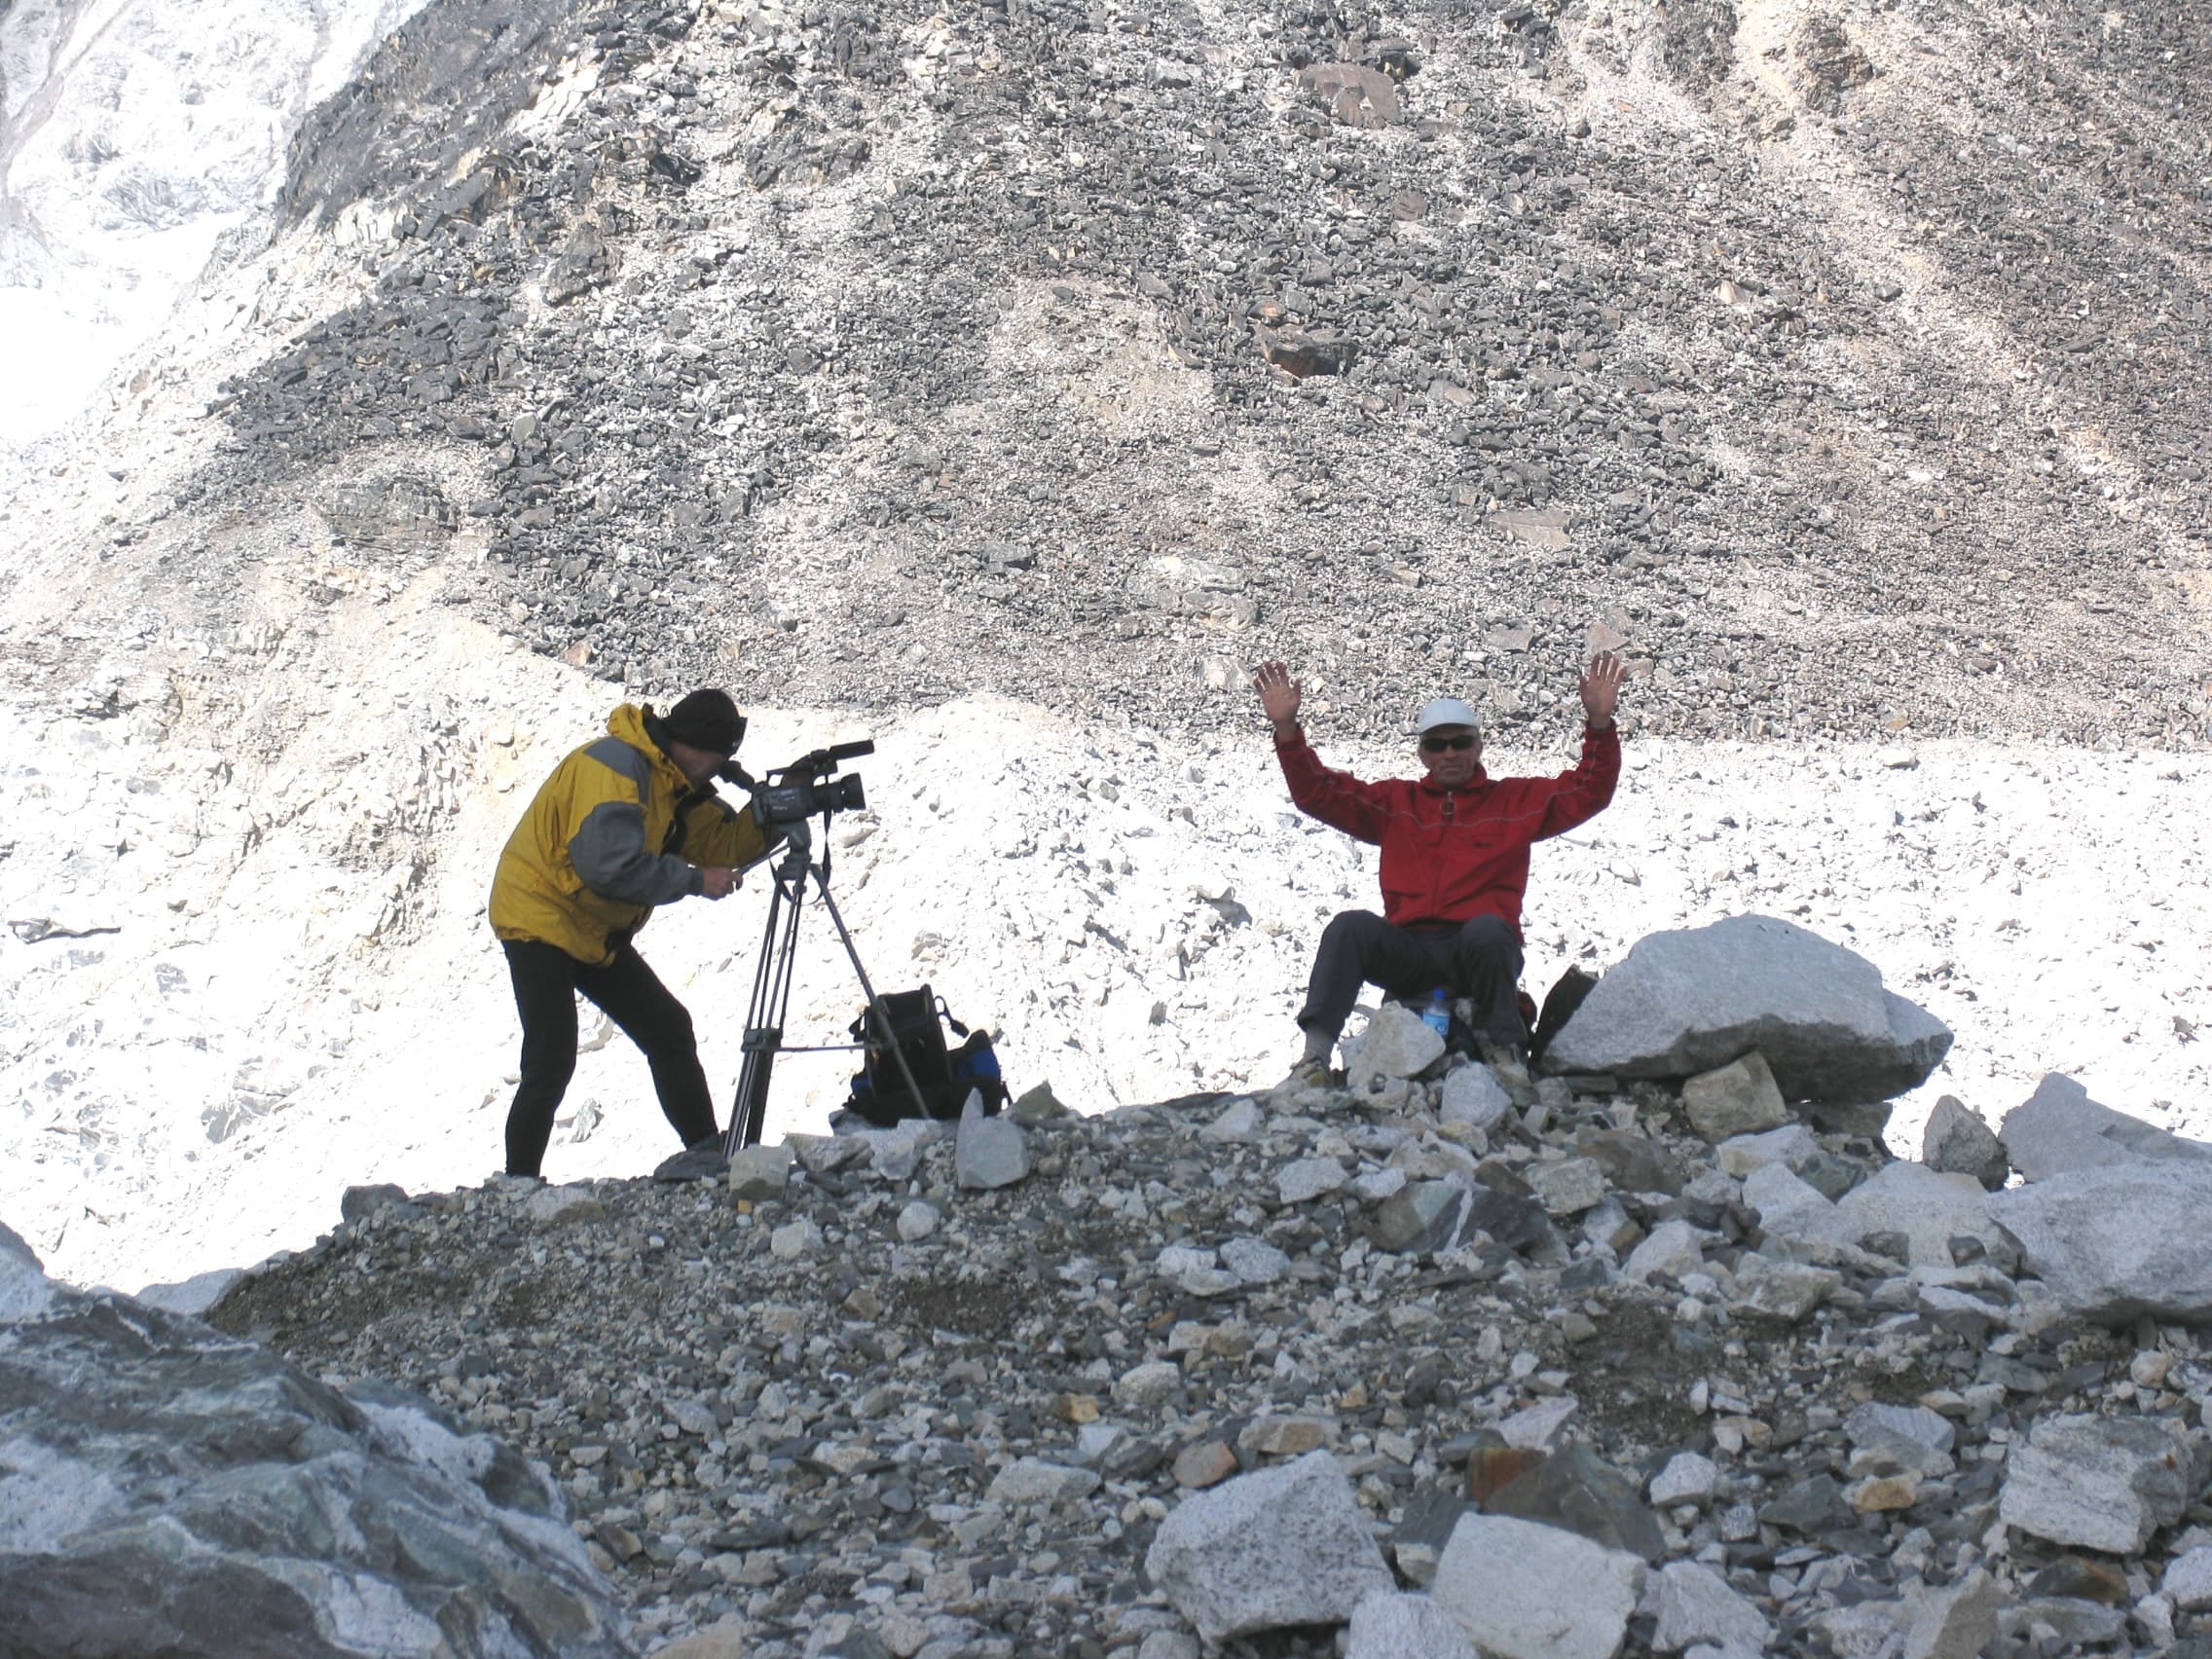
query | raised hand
(1601,687)
(1280,695)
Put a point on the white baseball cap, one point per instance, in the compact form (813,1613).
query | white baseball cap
(1445,712)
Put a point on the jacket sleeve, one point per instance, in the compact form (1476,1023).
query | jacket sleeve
(1337,798)
(1584,790)
(715,833)
(609,854)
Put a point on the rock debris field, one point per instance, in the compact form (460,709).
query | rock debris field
(1437,1360)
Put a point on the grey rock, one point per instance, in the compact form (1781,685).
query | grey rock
(1688,1001)
(759,1172)
(562,1206)
(1241,1122)
(1693,1603)
(1305,1178)
(170,1489)
(2101,1482)
(1254,1262)
(1575,1488)
(358,1202)
(1929,1207)
(917,1220)
(1396,1044)
(1393,1625)
(1149,1384)
(1672,1248)
(193,1296)
(2118,1241)
(1423,1217)
(1032,1479)
(1783,1290)
(26,1292)
(1472,1095)
(1902,1438)
(1739,1099)
(2188,1581)
(1954,1622)
(2058,1129)
(1958,1142)
(794,1239)
(1789,1146)
(1527,1591)
(1689,1477)
(1281,1546)
(1036,1105)
(1789,1207)
(1568,1186)
(896,1152)
(990,1152)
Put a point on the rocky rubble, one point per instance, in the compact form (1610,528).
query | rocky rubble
(899,355)
(1235,1372)
(164,1489)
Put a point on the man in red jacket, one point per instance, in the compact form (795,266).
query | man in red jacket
(1454,858)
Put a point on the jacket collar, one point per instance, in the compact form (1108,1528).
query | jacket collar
(1480,781)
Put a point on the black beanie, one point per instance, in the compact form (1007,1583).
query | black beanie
(706,719)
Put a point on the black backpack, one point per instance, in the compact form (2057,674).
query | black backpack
(913,1023)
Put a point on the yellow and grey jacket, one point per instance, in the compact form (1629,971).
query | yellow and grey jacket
(617,829)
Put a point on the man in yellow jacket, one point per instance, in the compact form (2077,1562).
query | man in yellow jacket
(624,824)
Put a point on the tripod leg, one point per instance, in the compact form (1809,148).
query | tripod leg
(764,1015)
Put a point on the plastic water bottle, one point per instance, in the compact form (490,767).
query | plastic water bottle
(1437,1016)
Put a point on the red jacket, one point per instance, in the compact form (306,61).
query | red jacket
(1451,855)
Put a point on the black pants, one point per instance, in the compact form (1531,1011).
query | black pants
(1478,959)
(546,982)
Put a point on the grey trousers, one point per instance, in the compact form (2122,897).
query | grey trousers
(1478,959)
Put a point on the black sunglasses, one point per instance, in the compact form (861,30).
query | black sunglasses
(1438,745)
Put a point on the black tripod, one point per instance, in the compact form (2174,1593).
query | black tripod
(773,986)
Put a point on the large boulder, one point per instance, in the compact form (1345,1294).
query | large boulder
(1281,1546)
(1694,1000)
(2101,1482)
(169,1489)
(2059,1128)
(2118,1241)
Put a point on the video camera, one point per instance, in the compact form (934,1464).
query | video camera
(802,790)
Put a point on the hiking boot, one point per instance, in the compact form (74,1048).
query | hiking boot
(701,1160)
(1309,1074)
(505,1183)
(1508,1062)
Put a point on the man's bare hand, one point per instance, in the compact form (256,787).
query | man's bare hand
(715,881)
(1280,695)
(1601,687)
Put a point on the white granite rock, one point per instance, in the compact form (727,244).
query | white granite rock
(1684,1002)
(2101,1482)
(2059,1128)
(1032,1479)
(1396,1044)
(990,1151)
(2119,1242)
(917,1220)
(1393,1625)
(1926,1206)
(1693,1603)
(1303,1178)
(1689,1477)
(1783,1290)
(1789,1146)
(1673,1248)
(1739,1099)
(1287,1545)
(1473,1096)
(1523,1589)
